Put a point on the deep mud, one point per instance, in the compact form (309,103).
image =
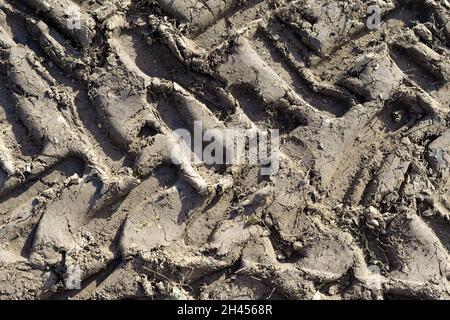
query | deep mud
(93,208)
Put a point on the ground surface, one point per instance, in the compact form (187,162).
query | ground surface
(90,91)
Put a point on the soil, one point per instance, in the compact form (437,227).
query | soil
(92,207)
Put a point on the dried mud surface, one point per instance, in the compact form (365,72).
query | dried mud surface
(87,190)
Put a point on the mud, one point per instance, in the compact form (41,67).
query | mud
(92,205)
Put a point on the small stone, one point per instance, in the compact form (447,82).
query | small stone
(317,296)
(160,286)
(297,247)
(73,179)
(428,213)
(281,256)
(374,223)
(49,193)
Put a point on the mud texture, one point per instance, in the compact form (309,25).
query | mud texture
(92,207)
